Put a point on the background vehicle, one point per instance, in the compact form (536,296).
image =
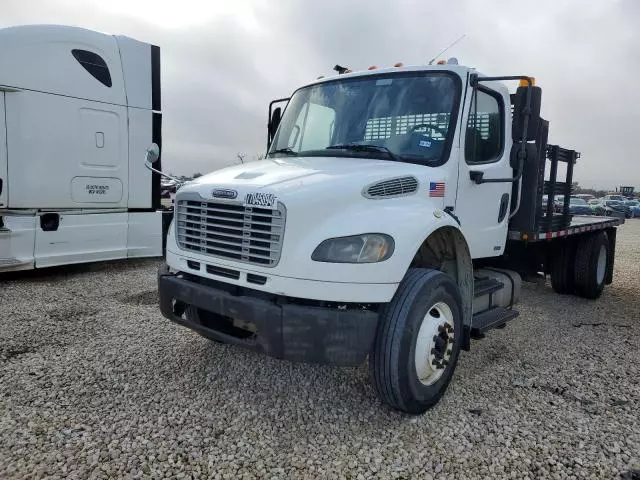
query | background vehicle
(597,208)
(394,217)
(627,191)
(577,206)
(587,197)
(73,186)
(616,197)
(615,208)
(634,206)
(618,202)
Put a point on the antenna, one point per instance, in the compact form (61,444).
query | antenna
(434,58)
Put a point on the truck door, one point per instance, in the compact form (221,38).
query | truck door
(4,187)
(483,208)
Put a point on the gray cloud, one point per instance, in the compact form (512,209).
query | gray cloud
(218,77)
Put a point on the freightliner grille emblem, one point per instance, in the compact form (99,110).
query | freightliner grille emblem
(223,193)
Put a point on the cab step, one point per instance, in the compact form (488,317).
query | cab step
(486,285)
(496,317)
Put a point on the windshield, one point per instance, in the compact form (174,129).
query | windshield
(409,117)
(577,201)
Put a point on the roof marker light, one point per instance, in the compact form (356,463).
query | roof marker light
(524,83)
(441,62)
(399,64)
(372,67)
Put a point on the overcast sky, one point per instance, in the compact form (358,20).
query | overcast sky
(224,60)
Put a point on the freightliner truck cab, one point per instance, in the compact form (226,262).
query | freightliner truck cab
(376,226)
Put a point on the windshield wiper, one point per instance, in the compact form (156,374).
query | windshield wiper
(287,150)
(357,147)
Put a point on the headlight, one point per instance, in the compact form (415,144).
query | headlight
(365,248)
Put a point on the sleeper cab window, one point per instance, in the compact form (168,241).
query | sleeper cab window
(484,137)
(94,64)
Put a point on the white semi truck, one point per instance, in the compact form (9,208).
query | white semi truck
(394,217)
(78,110)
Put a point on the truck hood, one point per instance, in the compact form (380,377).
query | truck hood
(282,175)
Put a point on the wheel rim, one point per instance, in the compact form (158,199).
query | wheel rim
(434,344)
(602,264)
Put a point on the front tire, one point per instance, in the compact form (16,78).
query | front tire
(418,341)
(592,262)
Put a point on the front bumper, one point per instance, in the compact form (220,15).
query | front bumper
(283,330)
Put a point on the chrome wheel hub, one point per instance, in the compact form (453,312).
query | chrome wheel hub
(434,345)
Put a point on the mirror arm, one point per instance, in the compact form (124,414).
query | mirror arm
(148,165)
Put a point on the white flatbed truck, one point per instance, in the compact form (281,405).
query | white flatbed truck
(78,111)
(394,217)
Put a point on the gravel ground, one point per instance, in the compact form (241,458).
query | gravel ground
(95,383)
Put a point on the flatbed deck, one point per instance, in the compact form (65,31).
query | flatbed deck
(579,224)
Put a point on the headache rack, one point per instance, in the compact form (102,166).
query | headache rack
(547,220)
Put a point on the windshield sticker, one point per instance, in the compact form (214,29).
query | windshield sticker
(425,143)
(260,199)
(384,81)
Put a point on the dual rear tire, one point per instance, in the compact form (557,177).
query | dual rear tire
(581,267)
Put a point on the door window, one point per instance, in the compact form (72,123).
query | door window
(484,139)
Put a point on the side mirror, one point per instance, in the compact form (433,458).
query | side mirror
(153,153)
(519,106)
(274,122)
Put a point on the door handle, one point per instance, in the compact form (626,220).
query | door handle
(478,177)
(504,203)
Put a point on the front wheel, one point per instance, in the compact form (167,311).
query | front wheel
(417,342)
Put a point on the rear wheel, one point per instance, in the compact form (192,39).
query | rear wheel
(592,261)
(562,266)
(418,341)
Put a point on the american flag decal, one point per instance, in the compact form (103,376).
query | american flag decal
(436,189)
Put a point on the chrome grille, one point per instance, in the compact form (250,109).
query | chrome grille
(230,230)
(392,188)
